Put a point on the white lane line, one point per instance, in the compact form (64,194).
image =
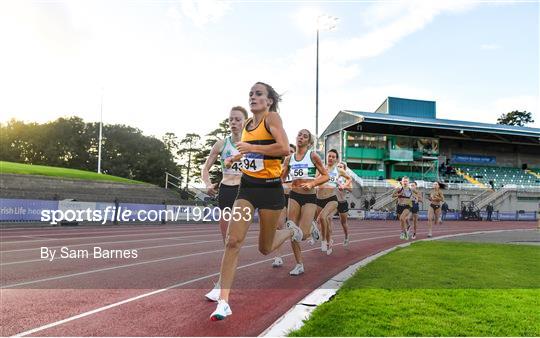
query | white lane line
(115,242)
(118,231)
(161,246)
(138,263)
(88,313)
(46,227)
(216,233)
(93,237)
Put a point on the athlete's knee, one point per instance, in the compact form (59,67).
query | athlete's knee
(233,243)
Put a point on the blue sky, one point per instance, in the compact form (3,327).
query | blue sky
(178,66)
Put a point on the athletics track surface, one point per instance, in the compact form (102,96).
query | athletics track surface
(160,293)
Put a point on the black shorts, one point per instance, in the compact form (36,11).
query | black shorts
(303,199)
(324,202)
(343,207)
(263,194)
(415,208)
(227,195)
(434,206)
(401,207)
(286,196)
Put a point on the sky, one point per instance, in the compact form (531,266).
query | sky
(179,66)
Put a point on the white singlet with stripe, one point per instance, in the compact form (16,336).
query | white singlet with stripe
(334,175)
(303,169)
(229,150)
(341,194)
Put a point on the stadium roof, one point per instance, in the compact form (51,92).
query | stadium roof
(415,126)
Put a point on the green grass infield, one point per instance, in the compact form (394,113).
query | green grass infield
(57,172)
(438,289)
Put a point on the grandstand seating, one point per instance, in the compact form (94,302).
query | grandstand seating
(501,176)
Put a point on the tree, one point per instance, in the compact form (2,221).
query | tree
(188,147)
(516,118)
(73,143)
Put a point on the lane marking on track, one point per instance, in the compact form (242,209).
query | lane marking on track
(151,247)
(131,241)
(97,310)
(139,263)
(93,237)
(75,233)
(114,242)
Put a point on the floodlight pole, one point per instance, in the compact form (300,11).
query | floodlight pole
(317,88)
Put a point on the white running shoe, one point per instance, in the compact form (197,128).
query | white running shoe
(298,270)
(406,235)
(222,310)
(297,232)
(346,242)
(414,235)
(324,246)
(330,244)
(402,235)
(213,295)
(277,262)
(429,235)
(315,233)
(311,241)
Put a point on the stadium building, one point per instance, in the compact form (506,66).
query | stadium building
(482,163)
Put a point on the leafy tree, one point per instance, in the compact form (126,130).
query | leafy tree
(72,143)
(516,118)
(188,147)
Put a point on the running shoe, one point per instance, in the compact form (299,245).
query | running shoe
(402,235)
(406,235)
(277,262)
(330,244)
(429,235)
(311,241)
(315,233)
(298,270)
(213,295)
(414,235)
(324,246)
(222,310)
(346,241)
(297,232)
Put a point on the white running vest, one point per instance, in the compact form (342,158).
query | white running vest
(229,150)
(302,170)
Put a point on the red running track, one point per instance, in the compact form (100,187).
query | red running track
(160,293)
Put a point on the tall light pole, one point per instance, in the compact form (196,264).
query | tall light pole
(324,22)
(100,133)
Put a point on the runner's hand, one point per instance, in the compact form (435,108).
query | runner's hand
(244,147)
(212,189)
(306,186)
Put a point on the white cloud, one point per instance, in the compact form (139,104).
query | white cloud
(204,12)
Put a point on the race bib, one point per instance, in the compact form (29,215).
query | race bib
(235,169)
(253,162)
(333,179)
(300,171)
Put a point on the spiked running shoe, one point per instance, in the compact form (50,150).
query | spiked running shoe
(222,310)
